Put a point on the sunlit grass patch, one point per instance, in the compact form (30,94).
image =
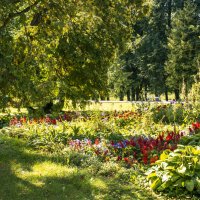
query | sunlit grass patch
(99,183)
(39,172)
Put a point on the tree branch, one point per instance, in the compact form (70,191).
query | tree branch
(16,14)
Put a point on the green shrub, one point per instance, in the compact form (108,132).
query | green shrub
(4,120)
(75,158)
(47,138)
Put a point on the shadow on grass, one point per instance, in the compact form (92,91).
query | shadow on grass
(117,189)
(14,157)
(16,160)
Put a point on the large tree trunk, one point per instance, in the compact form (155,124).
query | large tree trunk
(177,94)
(166,93)
(102,98)
(121,94)
(145,92)
(128,95)
(156,93)
(132,94)
(137,93)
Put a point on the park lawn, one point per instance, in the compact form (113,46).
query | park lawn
(28,174)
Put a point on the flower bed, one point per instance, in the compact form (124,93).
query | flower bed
(69,116)
(141,149)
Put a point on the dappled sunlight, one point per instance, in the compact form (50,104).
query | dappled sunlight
(53,169)
(39,172)
(99,183)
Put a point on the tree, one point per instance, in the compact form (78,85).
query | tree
(149,53)
(61,49)
(184,45)
(119,81)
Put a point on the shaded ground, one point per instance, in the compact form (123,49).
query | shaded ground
(26,174)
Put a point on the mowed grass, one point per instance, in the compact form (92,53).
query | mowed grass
(27,174)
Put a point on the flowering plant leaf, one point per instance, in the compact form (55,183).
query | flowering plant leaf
(189,184)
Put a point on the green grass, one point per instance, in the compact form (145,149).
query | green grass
(27,174)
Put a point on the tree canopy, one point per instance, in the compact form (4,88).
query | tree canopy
(61,49)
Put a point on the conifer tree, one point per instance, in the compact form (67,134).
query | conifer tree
(183,45)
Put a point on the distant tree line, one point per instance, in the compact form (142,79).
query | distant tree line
(165,54)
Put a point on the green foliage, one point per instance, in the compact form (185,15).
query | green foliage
(116,126)
(177,172)
(109,169)
(192,140)
(75,158)
(183,44)
(194,93)
(178,113)
(61,50)
(165,49)
(119,80)
(4,120)
(30,174)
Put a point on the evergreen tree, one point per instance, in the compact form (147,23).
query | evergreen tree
(149,54)
(183,44)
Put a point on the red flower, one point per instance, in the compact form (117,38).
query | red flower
(126,159)
(145,152)
(145,159)
(119,158)
(153,159)
(161,137)
(53,121)
(96,141)
(169,137)
(112,143)
(196,125)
